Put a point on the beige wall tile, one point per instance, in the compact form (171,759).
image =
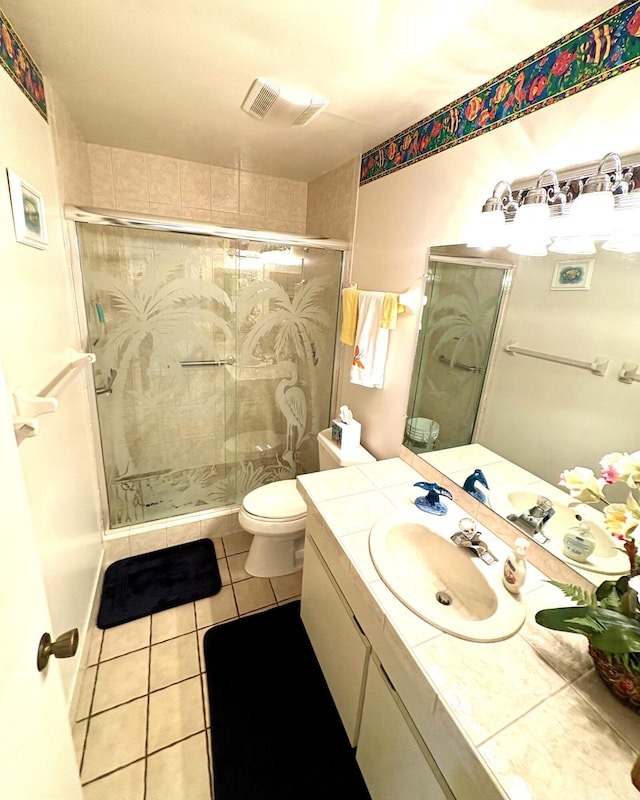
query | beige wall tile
(148,542)
(166,209)
(299,192)
(115,549)
(130,203)
(164,179)
(104,200)
(129,175)
(185,532)
(101,170)
(225,189)
(251,222)
(195,184)
(253,193)
(199,214)
(278,199)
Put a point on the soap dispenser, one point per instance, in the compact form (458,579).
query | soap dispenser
(578,541)
(515,566)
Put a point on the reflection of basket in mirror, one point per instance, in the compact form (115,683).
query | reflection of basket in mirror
(421,433)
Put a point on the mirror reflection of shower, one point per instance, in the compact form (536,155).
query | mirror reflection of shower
(464,298)
(215,361)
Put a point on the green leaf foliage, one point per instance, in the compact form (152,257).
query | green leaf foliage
(607,630)
(575,593)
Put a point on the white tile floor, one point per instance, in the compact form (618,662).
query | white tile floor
(142,730)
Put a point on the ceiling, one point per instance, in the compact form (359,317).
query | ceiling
(169,77)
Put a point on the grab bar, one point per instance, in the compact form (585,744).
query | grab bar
(460,365)
(598,366)
(230,360)
(29,406)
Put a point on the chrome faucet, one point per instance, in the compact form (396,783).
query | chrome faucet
(533,520)
(467,536)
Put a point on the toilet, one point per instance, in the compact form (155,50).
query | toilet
(276,514)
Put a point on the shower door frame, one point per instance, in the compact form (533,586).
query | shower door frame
(108,217)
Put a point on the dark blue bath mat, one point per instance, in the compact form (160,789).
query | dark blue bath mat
(151,582)
(275,731)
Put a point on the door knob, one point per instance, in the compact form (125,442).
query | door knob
(65,646)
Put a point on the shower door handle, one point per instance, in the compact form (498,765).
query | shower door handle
(230,360)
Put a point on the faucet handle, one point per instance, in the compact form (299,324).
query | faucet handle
(544,503)
(467,528)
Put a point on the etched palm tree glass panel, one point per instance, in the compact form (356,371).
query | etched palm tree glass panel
(452,355)
(213,366)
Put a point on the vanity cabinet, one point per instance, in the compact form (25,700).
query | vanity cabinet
(338,642)
(391,755)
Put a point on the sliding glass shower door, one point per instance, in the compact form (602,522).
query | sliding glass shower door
(214,364)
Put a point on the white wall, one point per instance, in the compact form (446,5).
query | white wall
(37,324)
(432,202)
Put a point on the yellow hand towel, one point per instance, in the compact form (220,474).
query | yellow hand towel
(349,315)
(390,309)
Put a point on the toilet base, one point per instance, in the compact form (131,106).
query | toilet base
(269,558)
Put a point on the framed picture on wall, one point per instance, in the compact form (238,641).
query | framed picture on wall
(29,218)
(572,274)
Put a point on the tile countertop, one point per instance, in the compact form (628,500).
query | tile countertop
(529,712)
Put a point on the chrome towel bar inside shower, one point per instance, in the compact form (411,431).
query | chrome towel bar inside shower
(230,360)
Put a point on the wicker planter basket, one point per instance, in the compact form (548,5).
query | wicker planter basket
(624,684)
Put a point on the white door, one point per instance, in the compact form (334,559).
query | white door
(37,759)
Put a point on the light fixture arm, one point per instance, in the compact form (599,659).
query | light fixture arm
(601,182)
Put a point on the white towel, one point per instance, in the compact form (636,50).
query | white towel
(371,342)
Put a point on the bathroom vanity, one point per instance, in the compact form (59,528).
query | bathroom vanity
(433,716)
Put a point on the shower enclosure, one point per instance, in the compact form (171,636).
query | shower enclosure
(214,358)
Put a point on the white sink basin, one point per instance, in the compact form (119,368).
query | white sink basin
(606,559)
(418,564)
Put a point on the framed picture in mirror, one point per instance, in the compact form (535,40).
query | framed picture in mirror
(572,274)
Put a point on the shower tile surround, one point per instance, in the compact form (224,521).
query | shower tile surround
(141,728)
(127,180)
(525,717)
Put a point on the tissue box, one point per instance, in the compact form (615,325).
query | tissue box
(344,435)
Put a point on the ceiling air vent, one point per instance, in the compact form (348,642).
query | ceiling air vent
(281,105)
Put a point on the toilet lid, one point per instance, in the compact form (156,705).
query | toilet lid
(279,500)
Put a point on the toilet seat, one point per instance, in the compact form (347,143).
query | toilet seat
(274,509)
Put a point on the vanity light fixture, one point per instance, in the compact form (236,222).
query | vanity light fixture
(490,227)
(593,205)
(532,224)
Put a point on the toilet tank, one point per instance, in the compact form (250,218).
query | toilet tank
(331,456)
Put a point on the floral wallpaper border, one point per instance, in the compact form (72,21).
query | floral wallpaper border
(600,49)
(16,60)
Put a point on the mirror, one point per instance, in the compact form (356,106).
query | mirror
(539,413)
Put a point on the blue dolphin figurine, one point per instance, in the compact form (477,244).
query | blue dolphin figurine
(431,502)
(470,485)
